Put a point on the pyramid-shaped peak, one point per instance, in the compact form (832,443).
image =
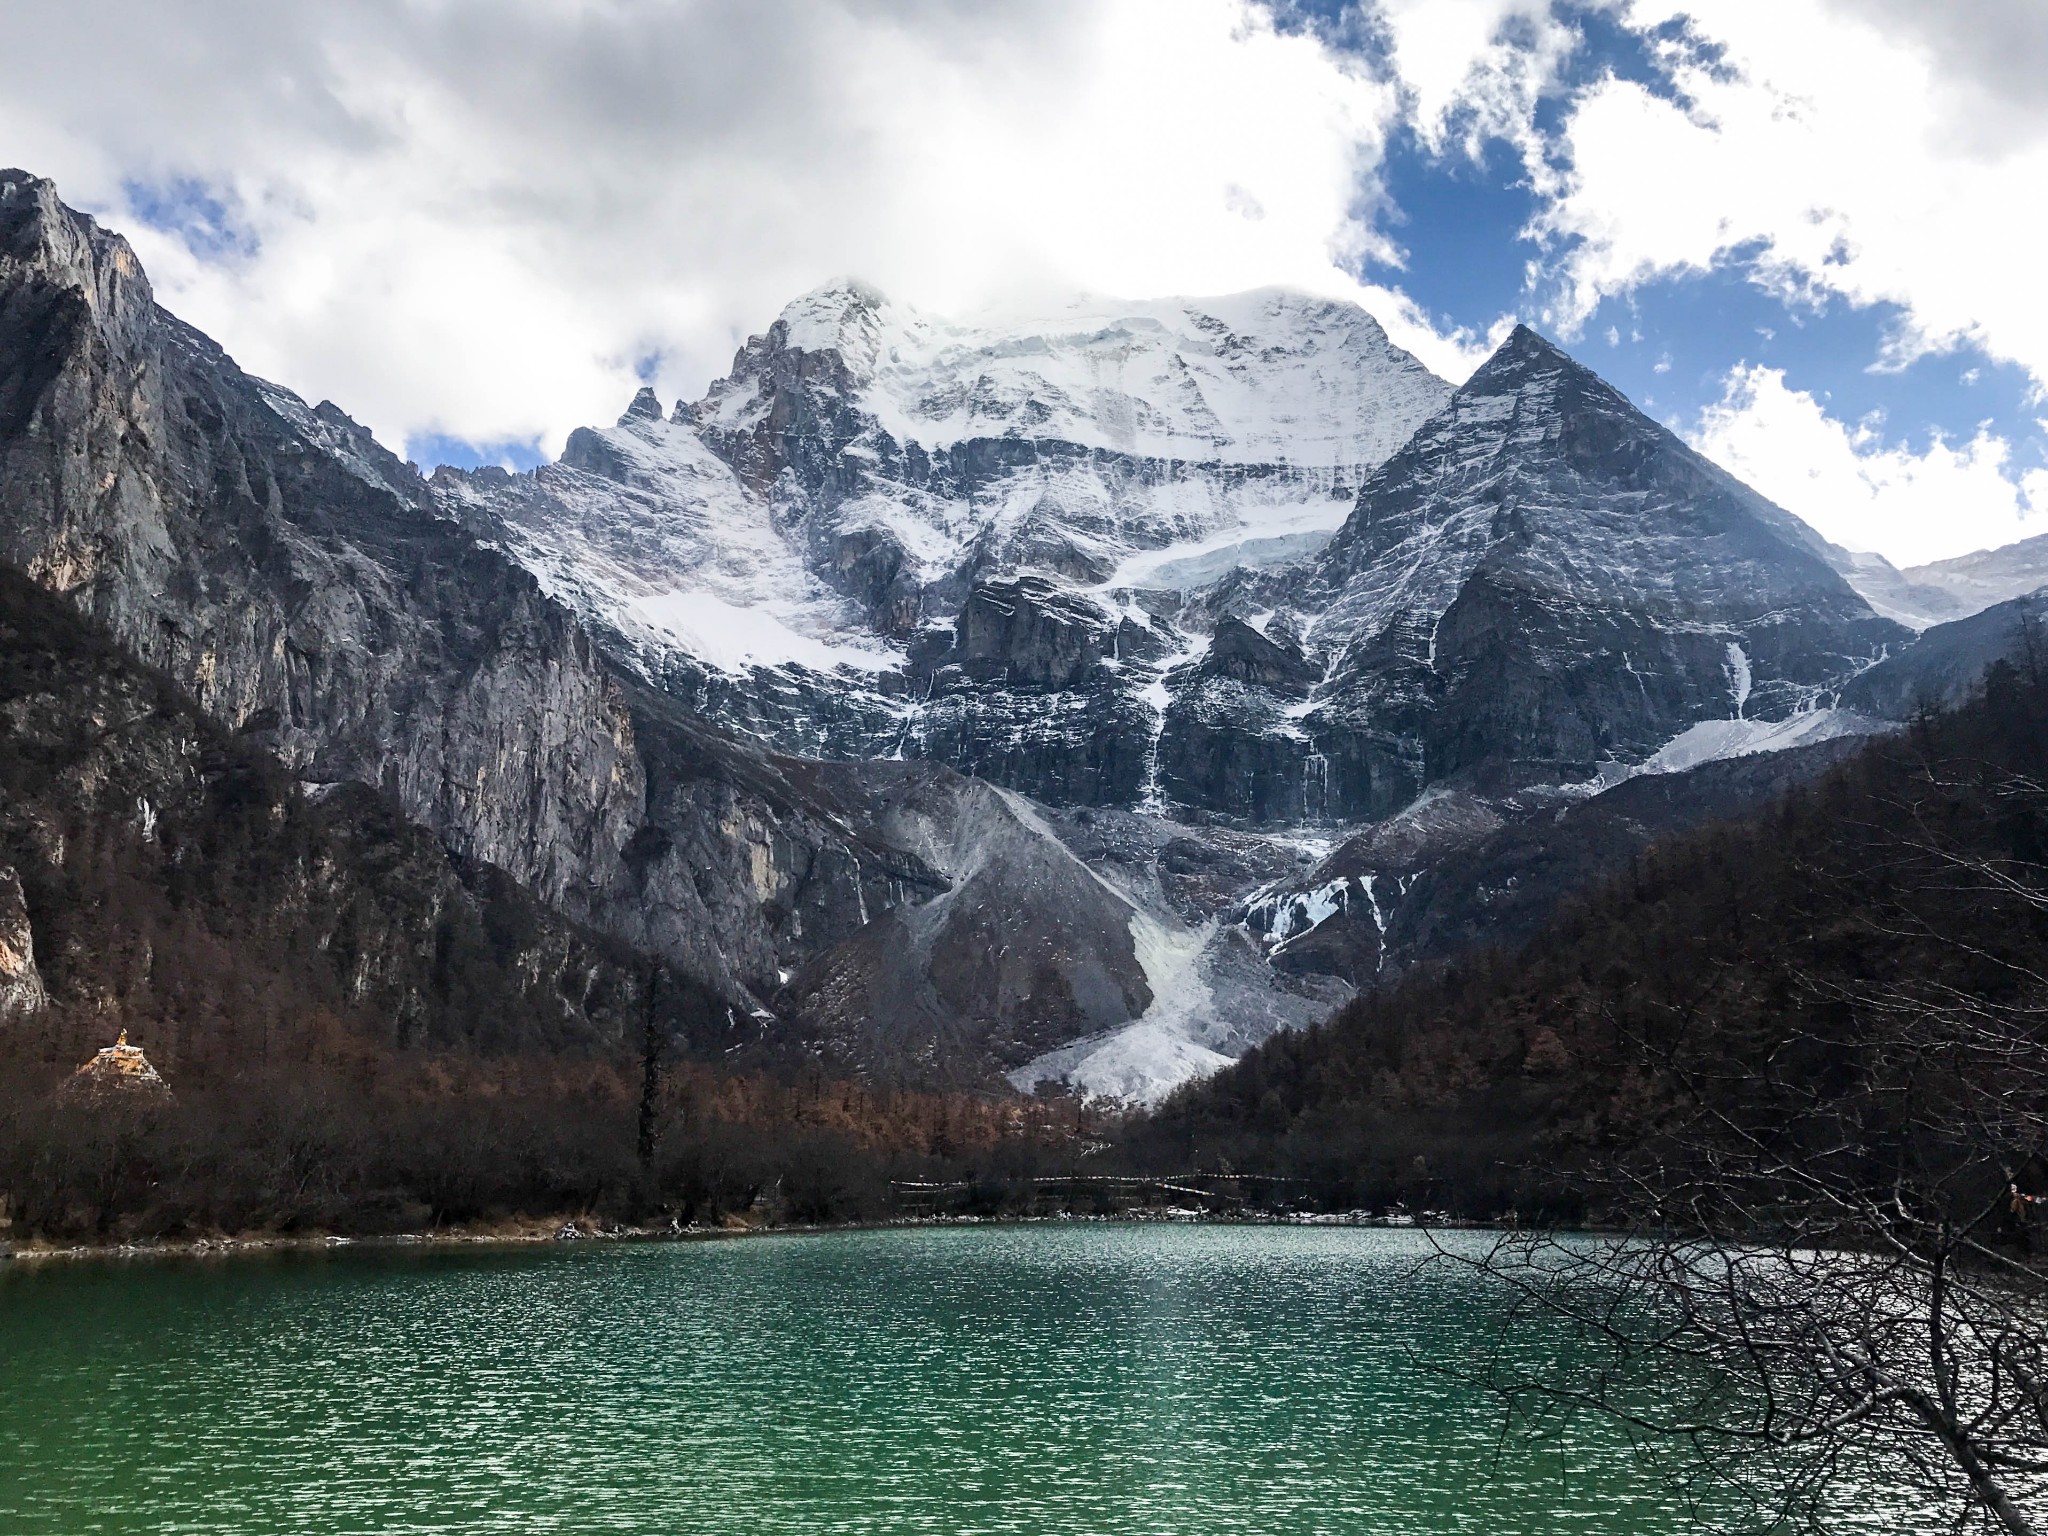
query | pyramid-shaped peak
(1526,354)
(646,406)
(1531,367)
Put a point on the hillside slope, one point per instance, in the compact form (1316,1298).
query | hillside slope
(1910,877)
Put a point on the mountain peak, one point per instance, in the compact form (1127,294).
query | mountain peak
(1526,354)
(646,406)
(830,315)
(39,234)
(17,185)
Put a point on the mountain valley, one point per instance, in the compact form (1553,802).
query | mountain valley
(1069,702)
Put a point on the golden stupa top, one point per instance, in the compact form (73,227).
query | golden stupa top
(118,1068)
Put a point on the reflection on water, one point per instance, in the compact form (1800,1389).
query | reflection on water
(1094,1379)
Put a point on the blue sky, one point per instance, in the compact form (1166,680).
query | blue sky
(1803,233)
(1465,217)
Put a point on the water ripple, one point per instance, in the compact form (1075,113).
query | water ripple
(1090,1381)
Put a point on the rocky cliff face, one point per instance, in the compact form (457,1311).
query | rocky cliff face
(286,570)
(296,580)
(183,882)
(21,979)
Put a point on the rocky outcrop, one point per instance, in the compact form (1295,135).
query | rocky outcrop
(745,865)
(1031,690)
(1028,632)
(21,981)
(117,1073)
(1239,652)
(1026,949)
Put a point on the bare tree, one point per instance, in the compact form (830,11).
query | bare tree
(1826,1260)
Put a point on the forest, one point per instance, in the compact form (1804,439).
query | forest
(1738,969)
(366,1033)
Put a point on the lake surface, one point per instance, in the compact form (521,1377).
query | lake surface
(1175,1381)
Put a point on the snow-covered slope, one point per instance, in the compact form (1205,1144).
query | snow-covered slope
(1271,377)
(911,454)
(1977,581)
(645,529)
(795,553)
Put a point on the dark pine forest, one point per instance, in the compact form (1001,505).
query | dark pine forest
(1745,972)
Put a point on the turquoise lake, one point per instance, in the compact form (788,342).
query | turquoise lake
(1079,1379)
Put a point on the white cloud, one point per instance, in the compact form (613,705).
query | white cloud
(1989,57)
(1451,354)
(1474,69)
(474,218)
(480,217)
(1826,137)
(1861,491)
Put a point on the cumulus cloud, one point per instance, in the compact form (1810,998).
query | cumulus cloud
(1861,491)
(1471,70)
(489,220)
(1989,57)
(1819,140)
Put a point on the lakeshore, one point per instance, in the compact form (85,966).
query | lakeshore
(573,1229)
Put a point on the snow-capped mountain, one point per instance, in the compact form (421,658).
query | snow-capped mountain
(1233,561)
(1083,556)
(867,478)
(1084,696)
(1271,378)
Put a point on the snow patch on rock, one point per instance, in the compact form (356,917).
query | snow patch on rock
(737,638)
(1713,741)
